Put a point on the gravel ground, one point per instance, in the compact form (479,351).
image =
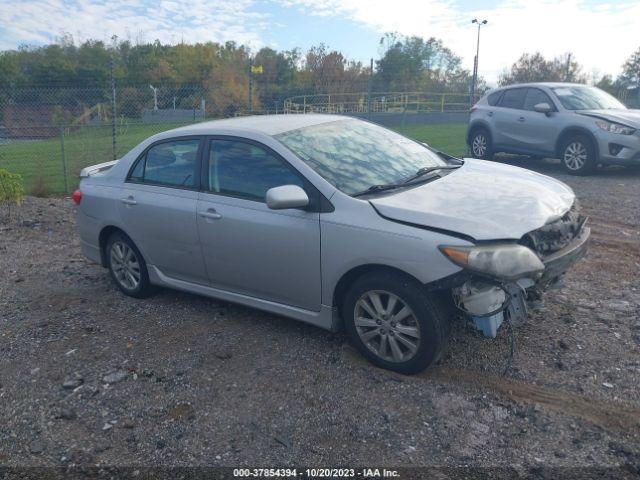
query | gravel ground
(91,377)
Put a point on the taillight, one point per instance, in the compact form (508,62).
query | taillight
(473,109)
(77,197)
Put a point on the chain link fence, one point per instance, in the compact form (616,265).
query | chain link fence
(48,135)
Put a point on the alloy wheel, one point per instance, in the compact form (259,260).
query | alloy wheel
(575,156)
(479,145)
(387,326)
(125,265)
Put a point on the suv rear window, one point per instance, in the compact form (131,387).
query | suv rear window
(513,98)
(493,98)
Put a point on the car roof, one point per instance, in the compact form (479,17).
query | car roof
(543,84)
(261,124)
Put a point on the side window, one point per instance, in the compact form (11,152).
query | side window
(172,163)
(534,97)
(513,98)
(247,171)
(493,98)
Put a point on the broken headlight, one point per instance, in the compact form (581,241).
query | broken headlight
(504,262)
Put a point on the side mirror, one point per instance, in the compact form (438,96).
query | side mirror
(286,196)
(543,107)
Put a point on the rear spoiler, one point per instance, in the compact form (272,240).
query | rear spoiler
(99,168)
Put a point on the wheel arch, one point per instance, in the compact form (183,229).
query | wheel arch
(103,237)
(573,131)
(478,124)
(349,277)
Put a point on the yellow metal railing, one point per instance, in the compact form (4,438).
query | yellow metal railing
(379,102)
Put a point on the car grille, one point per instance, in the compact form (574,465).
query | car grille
(556,235)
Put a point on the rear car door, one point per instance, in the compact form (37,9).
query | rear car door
(158,207)
(248,248)
(540,130)
(508,120)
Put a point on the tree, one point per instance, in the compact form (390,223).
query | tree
(535,68)
(412,63)
(630,76)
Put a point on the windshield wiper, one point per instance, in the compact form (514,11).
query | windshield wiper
(427,170)
(378,188)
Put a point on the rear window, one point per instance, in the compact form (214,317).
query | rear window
(494,97)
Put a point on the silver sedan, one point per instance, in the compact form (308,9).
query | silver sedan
(333,221)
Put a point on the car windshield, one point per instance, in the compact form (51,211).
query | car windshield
(586,98)
(354,155)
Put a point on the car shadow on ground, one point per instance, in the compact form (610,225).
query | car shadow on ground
(551,166)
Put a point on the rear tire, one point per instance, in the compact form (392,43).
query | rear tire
(480,144)
(394,322)
(127,267)
(578,155)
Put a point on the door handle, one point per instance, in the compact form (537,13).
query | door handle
(490,114)
(211,214)
(128,200)
(521,119)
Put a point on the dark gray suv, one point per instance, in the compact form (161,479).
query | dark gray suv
(581,125)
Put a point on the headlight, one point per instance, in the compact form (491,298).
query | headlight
(504,262)
(615,128)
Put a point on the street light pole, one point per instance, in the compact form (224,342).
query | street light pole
(474,82)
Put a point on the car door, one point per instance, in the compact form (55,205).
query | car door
(540,130)
(157,207)
(508,119)
(249,249)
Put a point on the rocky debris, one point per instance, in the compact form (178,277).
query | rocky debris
(72,382)
(65,413)
(36,447)
(115,377)
(182,411)
(223,354)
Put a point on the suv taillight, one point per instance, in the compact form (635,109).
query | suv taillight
(473,109)
(77,197)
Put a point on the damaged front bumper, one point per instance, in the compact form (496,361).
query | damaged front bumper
(557,263)
(489,302)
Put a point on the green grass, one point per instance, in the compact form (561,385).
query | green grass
(447,137)
(40,161)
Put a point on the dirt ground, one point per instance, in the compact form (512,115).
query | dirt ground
(91,377)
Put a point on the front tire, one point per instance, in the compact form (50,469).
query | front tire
(127,267)
(578,155)
(480,142)
(394,323)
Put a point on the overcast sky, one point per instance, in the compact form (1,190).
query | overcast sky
(601,33)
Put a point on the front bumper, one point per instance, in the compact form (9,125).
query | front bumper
(615,149)
(557,263)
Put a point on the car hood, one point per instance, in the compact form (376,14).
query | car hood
(626,117)
(482,200)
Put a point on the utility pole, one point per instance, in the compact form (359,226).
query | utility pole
(567,75)
(474,81)
(114,40)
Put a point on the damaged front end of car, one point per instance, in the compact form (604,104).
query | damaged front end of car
(504,277)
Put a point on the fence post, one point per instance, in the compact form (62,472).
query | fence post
(369,88)
(113,98)
(442,103)
(64,161)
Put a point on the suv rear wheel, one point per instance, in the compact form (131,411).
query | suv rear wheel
(394,323)
(577,155)
(481,144)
